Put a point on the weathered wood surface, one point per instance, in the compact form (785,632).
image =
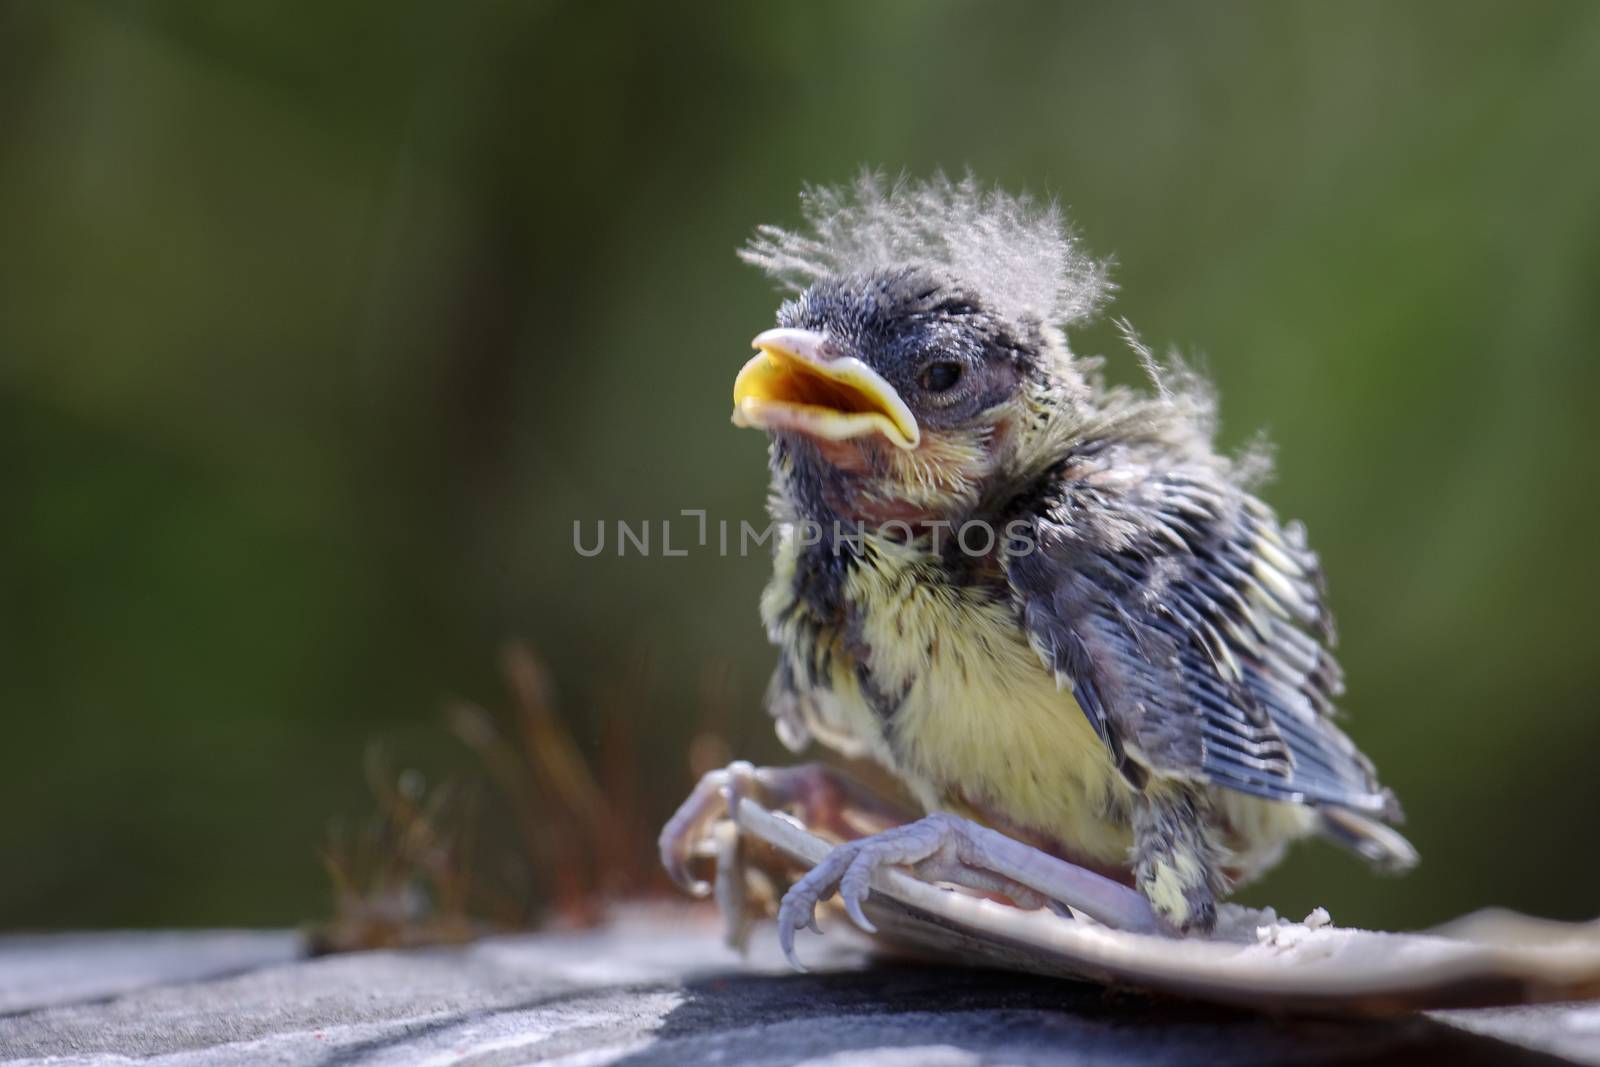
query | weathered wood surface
(658,988)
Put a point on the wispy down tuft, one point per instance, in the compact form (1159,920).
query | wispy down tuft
(1018,254)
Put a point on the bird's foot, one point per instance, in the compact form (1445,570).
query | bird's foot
(825,801)
(946,848)
(687,835)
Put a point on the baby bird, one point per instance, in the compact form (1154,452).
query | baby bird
(1048,606)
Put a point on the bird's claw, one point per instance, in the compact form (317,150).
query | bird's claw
(848,871)
(687,835)
(826,802)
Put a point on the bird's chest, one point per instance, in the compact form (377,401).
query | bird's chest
(937,680)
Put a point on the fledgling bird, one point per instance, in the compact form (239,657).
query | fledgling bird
(1049,606)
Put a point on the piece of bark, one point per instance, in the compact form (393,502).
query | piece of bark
(1255,961)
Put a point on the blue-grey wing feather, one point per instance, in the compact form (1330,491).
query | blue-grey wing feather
(1191,628)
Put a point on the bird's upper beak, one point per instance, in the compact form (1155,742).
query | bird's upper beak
(795,383)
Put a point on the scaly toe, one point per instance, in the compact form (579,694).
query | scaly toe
(685,832)
(855,887)
(793,916)
(798,909)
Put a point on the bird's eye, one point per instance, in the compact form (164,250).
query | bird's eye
(941,377)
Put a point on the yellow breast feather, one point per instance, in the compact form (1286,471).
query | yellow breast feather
(979,723)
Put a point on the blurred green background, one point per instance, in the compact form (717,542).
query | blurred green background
(321,323)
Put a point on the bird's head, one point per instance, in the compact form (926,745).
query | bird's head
(921,356)
(902,389)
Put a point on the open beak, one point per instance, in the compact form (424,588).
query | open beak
(792,383)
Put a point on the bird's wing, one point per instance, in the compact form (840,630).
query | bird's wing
(1190,627)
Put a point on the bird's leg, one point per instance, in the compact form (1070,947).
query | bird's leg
(1175,864)
(947,848)
(824,799)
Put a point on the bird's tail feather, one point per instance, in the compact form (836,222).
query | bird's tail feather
(1380,845)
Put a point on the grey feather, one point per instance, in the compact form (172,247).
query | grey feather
(1016,251)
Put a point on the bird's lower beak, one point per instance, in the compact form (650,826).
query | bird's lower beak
(792,384)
